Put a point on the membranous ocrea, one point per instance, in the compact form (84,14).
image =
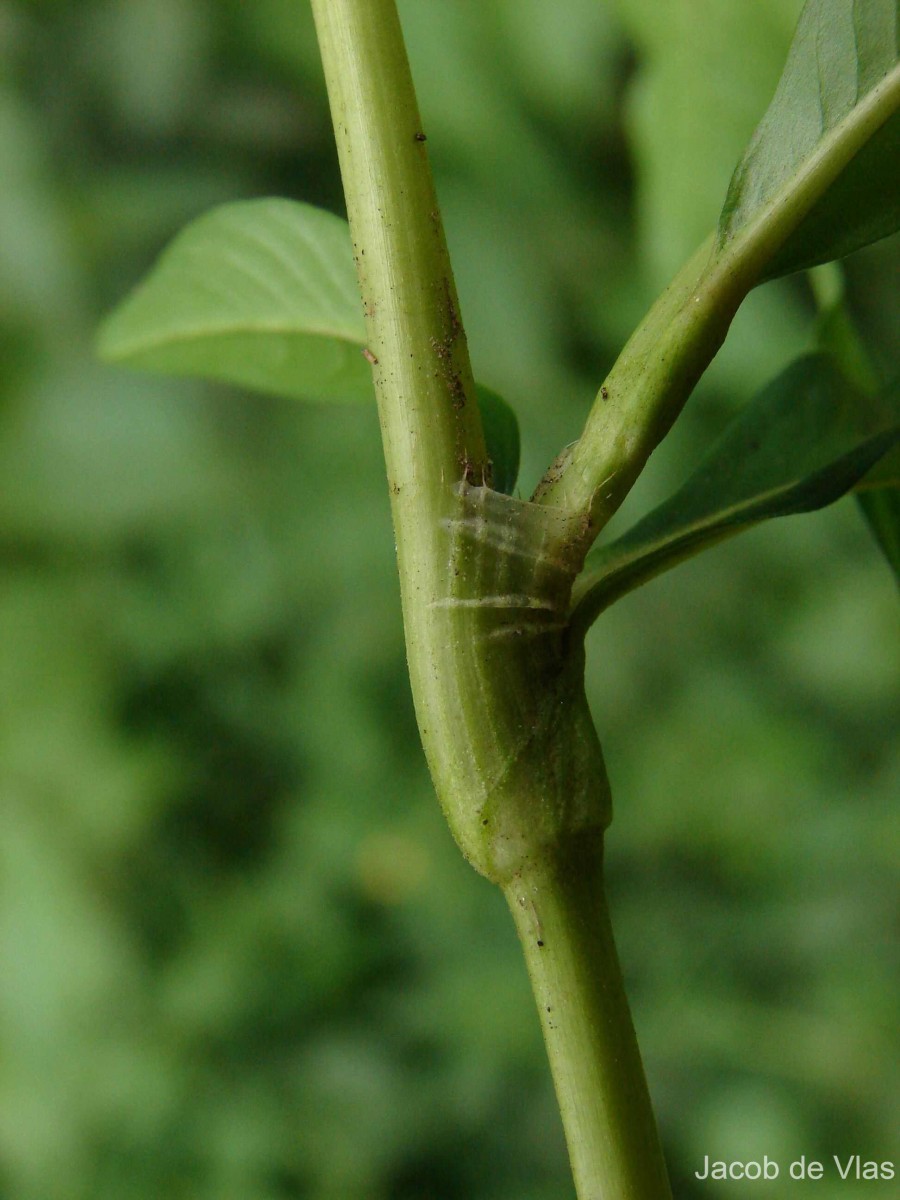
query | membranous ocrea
(527,768)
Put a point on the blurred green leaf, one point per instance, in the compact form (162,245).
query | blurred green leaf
(878,492)
(260,293)
(879,499)
(38,268)
(836,332)
(705,72)
(830,136)
(94,454)
(263,293)
(804,441)
(501,432)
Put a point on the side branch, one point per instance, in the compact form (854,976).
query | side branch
(661,364)
(644,393)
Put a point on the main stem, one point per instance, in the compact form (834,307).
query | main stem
(560,912)
(427,407)
(496,679)
(423,380)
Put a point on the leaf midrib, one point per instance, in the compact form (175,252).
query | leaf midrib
(763,235)
(722,522)
(617,564)
(211,333)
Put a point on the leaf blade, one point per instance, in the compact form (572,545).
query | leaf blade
(501,434)
(804,441)
(878,493)
(263,294)
(818,164)
(700,84)
(260,293)
(878,497)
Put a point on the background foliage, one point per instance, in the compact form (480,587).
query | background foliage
(241,959)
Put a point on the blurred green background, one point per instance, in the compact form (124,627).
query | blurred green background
(240,957)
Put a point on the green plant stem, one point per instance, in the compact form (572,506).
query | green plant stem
(485,583)
(423,380)
(498,698)
(430,423)
(678,339)
(560,912)
(643,394)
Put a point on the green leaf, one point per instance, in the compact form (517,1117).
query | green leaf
(260,293)
(263,294)
(878,492)
(820,174)
(879,498)
(804,441)
(501,433)
(881,509)
(703,76)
